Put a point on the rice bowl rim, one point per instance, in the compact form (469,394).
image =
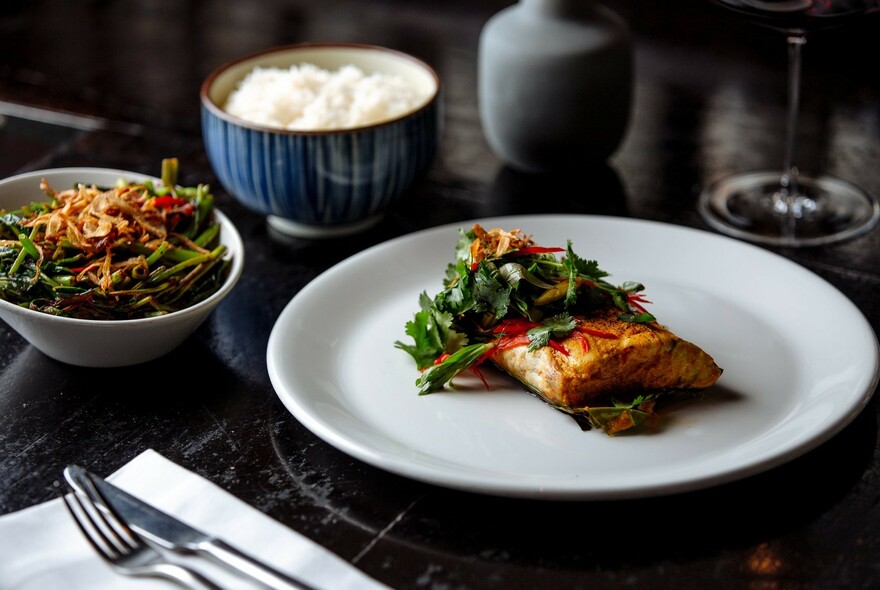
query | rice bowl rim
(403,57)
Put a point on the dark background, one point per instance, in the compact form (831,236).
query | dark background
(115,84)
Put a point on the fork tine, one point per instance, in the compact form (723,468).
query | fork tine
(121,532)
(117,544)
(91,531)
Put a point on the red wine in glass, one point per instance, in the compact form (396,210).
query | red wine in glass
(784,207)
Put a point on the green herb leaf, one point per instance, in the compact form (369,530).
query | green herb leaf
(433,333)
(458,297)
(588,269)
(558,326)
(463,245)
(490,294)
(514,272)
(637,318)
(614,419)
(434,378)
(632,287)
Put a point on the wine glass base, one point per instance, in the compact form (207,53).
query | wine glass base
(753,206)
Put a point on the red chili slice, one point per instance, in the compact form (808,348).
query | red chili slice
(585,344)
(557,347)
(438,360)
(514,326)
(476,371)
(506,342)
(485,356)
(168,201)
(592,332)
(636,299)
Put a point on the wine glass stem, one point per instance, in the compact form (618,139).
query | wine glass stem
(790,172)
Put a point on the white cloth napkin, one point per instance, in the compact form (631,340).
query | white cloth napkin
(41,547)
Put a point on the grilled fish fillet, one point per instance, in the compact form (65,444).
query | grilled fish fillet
(642,358)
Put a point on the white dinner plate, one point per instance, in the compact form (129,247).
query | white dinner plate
(767,321)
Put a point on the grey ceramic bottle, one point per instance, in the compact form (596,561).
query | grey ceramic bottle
(555,83)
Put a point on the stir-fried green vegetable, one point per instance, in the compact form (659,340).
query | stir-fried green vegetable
(134,250)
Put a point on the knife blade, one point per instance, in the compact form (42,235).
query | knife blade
(175,535)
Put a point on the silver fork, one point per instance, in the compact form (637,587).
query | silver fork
(120,546)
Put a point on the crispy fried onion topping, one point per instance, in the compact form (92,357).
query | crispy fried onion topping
(496,242)
(94,221)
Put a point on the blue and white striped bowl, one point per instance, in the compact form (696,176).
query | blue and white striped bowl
(321,183)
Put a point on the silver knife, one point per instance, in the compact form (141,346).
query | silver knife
(170,533)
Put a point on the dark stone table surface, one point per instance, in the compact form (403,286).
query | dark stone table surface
(114,83)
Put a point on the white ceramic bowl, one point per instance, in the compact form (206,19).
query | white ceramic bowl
(322,183)
(107,343)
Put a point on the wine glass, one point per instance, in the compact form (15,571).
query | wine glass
(784,207)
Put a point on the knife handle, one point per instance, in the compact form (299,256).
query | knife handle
(186,577)
(232,557)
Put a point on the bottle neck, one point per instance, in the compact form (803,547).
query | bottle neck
(559,8)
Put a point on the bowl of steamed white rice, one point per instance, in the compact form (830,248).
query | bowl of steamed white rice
(321,138)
